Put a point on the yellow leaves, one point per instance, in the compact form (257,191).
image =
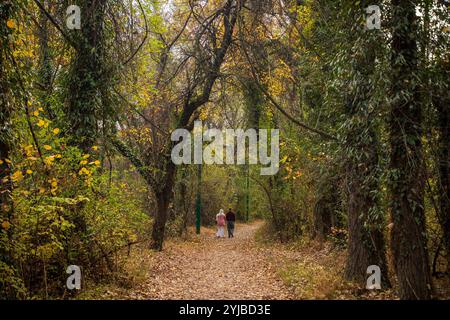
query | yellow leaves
(29,150)
(96,163)
(36,113)
(203,115)
(58,156)
(10,24)
(47,147)
(277,79)
(306,18)
(56,131)
(49,160)
(29,171)
(83,162)
(6,225)
(84,171)
(41,123)
(95,148)
(275,87)
(86,156)
(132,237)
(17,176)
(54,186)
(1,161)
(65,224)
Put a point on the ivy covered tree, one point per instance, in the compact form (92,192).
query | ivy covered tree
(406,176)
(361,146)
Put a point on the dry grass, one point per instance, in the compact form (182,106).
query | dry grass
(315,270)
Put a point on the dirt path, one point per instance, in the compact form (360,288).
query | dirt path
(210,268)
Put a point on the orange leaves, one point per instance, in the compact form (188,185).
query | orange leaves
(6,225)
(10,24)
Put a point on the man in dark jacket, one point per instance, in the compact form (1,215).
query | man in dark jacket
(231,218)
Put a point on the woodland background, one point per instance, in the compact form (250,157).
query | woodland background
(86,117)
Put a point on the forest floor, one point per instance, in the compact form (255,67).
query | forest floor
(244,267)
(204,267)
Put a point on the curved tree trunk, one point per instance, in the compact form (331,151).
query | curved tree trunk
(164,191)
(162,185)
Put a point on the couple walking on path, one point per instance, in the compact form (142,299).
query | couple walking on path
(230,219)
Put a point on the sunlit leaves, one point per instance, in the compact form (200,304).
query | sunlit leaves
(10,24)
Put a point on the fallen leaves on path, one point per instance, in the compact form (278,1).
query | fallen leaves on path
(210,268)
(204,267)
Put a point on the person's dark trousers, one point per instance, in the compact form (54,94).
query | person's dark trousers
(230,228)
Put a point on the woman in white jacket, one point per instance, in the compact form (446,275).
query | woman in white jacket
(220,220)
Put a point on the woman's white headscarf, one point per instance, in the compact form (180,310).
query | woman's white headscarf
(221,211)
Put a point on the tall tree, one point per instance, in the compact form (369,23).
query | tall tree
(45,70)
(408,240)
(210,51)
(6,25)
(366,244)
(87,74)
(441,101)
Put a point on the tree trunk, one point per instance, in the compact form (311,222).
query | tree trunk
(408,239)
(366,245)
(160,222)
(164,196)
(45,63)
(7,289)
(323,216)
(86,75)
(5,119)
(441,100)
